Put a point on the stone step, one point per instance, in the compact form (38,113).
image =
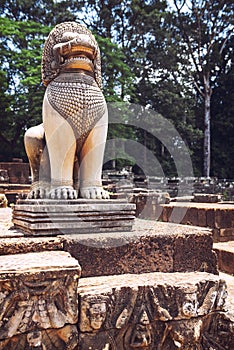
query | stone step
(38,293)
(154,311)
(225,255)
(151,246)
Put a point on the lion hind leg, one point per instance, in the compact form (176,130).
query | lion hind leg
(34,140)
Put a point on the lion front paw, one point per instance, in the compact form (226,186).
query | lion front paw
(94,193)
(39,190)
(63,192)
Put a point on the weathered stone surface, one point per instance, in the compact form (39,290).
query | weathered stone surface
(65,338)
(194,253)
(147,202)
(3,201)
(29,244)
(150,311)
(217,216)
(151,246)
(206,198)
(37,291)
(225,253)
(50,217)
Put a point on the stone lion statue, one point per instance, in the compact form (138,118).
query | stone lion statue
(66,151)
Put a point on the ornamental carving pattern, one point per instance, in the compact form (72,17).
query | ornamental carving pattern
(65,338)
(161,317)
(32,303)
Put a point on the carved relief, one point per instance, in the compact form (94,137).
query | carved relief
(93,313)
(218,332)
(187,302)
(183,334)
(37,303)
(65,338)
(141,336)
(161,317)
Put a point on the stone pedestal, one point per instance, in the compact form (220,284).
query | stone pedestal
(52,217)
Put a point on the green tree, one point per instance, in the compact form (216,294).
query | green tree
(222,123)
(205,27)
(153,55)
(21,44)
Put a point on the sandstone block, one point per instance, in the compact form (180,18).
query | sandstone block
(149,311)
(151,246)
(225,253)
(38,291)
(18,245)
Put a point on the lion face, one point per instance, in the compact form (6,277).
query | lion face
(70,46)
(76,51)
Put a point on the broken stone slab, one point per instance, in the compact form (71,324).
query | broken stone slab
(52,217)
(153,311)
(37,291)
(151,246)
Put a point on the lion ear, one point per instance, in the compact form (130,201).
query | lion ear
(97,69)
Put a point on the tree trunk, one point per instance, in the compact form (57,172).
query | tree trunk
(207,146)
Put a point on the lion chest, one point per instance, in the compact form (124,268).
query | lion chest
(78,99)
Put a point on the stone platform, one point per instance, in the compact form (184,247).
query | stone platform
(52,217)
(225,255)
(156,287)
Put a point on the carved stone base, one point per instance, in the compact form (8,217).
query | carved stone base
(155,311)
(52,217)
(38,291)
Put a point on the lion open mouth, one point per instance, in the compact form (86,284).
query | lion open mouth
(75,52)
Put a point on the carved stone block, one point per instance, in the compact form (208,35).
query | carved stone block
(37,291)
(151,246)
(163,311)
(65,338)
